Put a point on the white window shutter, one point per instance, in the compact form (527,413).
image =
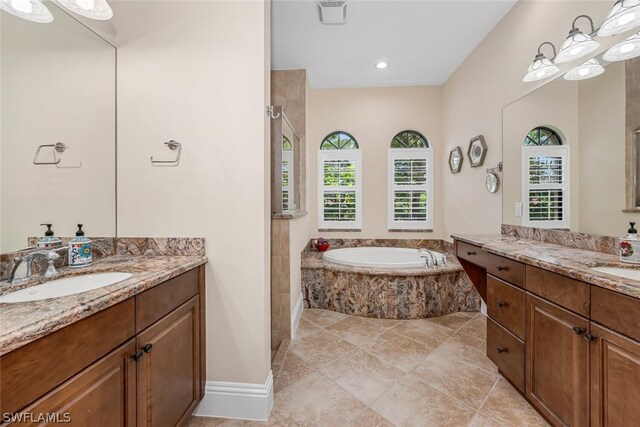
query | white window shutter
(339,189)
(410,189)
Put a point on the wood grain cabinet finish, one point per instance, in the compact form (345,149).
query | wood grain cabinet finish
(506,269)
(471,253)
(619,312)
(615,379)
(505,305)
(169,369)
(507,352)
(557,363)
(564,291)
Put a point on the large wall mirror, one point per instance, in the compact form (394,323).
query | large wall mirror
(569,151)
(58,98)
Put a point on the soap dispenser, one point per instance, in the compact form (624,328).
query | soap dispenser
(80,250)
(630,246)
(49,241)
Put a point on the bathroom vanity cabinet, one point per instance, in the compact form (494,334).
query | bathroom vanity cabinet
(139,362)
(571,348)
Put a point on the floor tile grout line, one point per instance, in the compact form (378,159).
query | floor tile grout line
(489,394)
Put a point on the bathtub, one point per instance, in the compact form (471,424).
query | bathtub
(379,257)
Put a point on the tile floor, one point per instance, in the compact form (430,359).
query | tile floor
(349,371)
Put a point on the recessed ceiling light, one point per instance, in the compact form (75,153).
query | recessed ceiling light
(381,65)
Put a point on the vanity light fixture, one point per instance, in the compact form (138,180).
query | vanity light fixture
(541,67)
(577,44)
(31,10)
(624,16)
(627,49)
(94,9)
(381,65)
(589,69)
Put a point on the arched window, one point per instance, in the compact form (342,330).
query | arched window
(339,183)
(545,179)
(410,182)
(339,141)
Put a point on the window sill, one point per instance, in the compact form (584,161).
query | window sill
(410,230)
(289,215)
(348,230)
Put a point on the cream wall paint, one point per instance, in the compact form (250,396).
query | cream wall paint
(473,98)
(374,116)
(200,76)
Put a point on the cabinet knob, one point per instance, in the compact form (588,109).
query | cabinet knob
(147,348)
(471,253)
(501,349)
(501,268)
(589,337)
(500,304)
(578,331)
(137,356)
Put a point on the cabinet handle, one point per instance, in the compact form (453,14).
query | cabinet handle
(578,331)
(501,268)
(137,356)
(589,337)
(500,304)
(471,253)
(147,348)
(501,349)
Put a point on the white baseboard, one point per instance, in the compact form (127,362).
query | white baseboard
(237,400)
(295,316)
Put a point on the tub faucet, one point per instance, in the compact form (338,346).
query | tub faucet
(429,256)
(51,256)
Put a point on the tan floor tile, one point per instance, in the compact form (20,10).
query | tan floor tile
(320,348)
(454,321)
(370,418)
(363,375)
(281,353)
(293,369)
(480,342)
(412,403)
(316,400)
(321,317)
(355,330)
(476,327)
(472,356)
(227,422)
(505,404)
(397,350)
(446,372)
(480,420)
(424,331)
(385,323)
(306,328)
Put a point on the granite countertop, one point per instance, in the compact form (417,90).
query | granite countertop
(313,260)
(24,322)
(571,262)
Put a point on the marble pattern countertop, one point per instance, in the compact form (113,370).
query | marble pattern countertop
(24,322)
(572,262)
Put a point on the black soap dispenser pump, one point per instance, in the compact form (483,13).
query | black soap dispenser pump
(49,240)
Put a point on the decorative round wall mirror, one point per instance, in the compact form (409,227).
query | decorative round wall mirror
(492,181)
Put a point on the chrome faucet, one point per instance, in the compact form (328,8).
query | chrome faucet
(429,255)
(51,257)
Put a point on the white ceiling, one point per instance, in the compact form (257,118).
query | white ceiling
(423,41)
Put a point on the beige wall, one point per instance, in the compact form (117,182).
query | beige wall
(489,79)
(199,75)
(374,116)
(58,84)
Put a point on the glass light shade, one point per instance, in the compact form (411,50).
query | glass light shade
(589,69)
(576,46)
(630,48)
(94,9)
(31,10)
(540,68)
(624,16)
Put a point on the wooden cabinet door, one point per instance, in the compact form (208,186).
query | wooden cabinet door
(557,363)
(615,379)
(169,367)
(104,394)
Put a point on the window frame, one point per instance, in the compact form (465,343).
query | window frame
(352,155)
(408,154)
(547,151)
(289,156)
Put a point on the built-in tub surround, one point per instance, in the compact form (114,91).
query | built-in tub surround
(27,321)
(388,293)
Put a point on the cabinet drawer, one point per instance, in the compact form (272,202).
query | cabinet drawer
(564,291)
(155,303)
(505,305)
(619,312)
(506,269)
(471,253)
(32,370)
(507,352)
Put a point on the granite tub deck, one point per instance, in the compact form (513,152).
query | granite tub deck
(388,293)
(572,262)
(21,323)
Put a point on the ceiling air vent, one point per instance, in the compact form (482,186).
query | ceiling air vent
(332,12)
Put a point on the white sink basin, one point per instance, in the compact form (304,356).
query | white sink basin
(65,286)
(627,273)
